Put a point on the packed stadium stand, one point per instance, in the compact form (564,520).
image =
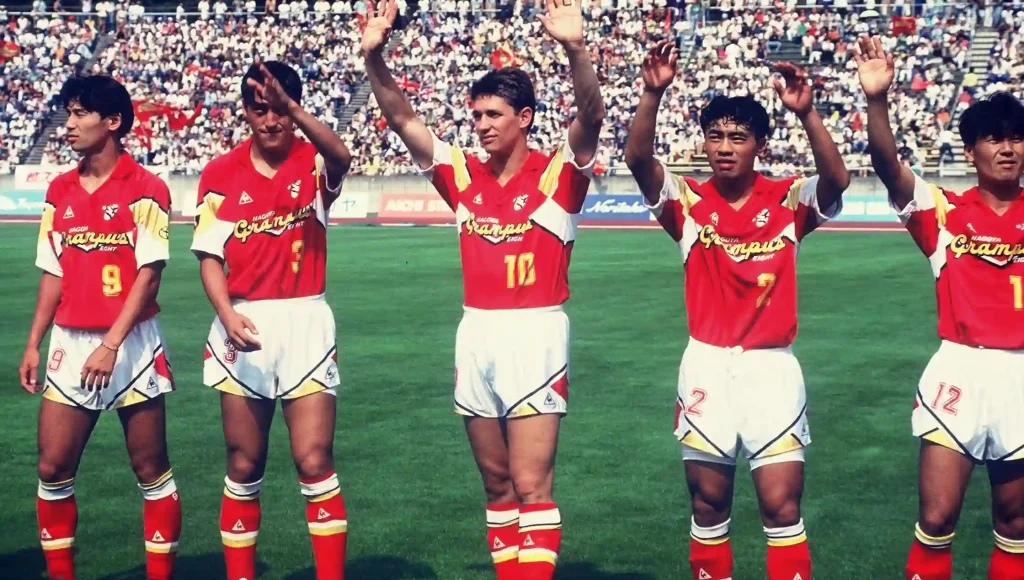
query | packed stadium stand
(190,60)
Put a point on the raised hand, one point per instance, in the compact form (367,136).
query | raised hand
(795,93)
(563,19)
(874,66)
(271,92)
(659,66)
(380,17)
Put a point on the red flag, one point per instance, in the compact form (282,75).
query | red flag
(9,50)
(502,58)
(179,120)
(408,85)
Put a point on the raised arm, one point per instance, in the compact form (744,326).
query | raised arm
(563,20)
(391,99)
(659,68)
(796,95)
(876,71)
(337,158)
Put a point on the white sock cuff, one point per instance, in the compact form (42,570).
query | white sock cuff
(502,518)
(320,488)
(785,533)
(550,518)
(1007,545)
(242,491)
(710,533)
(163,487)
(56,491)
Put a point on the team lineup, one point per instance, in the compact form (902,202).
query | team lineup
(261,241)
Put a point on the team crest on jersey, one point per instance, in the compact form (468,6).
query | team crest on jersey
(494,231)
(761,218)
(109,211)
(479,199)
(87,241)
(714,218)
(294,188)
(272,223)
(741,251)
(520,202)
(991,249)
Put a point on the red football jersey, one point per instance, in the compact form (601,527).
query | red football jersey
(97,242)
(740,264)
(977,257)
(271,233)
(516,239)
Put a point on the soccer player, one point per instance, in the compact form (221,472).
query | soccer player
(102,248)
(969,401)
(262,213)
(740,387)
(517,213)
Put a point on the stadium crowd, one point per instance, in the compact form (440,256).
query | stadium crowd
(187,63)
(38,54)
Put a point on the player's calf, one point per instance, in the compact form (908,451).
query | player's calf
(240,526)
(328,524)
(711,485)
(161,522)
(1007,562)
(57,514)
(779,484)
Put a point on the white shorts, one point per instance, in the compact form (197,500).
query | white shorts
(298,354)
(971,400)
(731,399)
(512,363)
(141,371)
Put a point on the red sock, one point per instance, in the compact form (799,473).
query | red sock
(1007,561)
(161,525)
(789,558)
(540,535)
(58,517)
(328,526)
(503,538)
(710,552)
(239,527)
(931,558)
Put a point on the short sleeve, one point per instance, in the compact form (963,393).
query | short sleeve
(670,208)
(211,233)
(151,213)
(48,245)
(925,215)
(324,180)
(565,180)
(802,198)
(449,172)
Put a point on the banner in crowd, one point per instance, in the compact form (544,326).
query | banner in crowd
(619,208)
(177,118)
(36,177)
(350,206)
(414,206)
(8,50)
(866,208)
(26,203)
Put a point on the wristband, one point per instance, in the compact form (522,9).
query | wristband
(108,347)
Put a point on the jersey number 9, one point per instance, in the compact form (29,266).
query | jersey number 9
(111,280)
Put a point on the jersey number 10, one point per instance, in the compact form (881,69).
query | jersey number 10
(519,270)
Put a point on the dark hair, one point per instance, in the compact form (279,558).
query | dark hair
(511,84)
(100,94)
(744,111)
(286,75)
(999,116)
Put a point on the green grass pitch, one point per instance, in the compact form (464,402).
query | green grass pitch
(414,497)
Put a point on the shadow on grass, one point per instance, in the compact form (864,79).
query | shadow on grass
(200,567)
(590,571)
(27,564)
(376,568)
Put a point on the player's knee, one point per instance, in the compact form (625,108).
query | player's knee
(150,467)
(51,471)
(780,507)
(708,512)
(314,464)
(937,522)
(1009,526)
(533,487)
(498,487)
(244,468)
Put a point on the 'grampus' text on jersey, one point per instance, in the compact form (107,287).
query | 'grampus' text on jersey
(271,222)
(740,250)
(986,247)
(494,231)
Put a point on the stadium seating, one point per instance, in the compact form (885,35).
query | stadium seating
(184,62)
(38,53)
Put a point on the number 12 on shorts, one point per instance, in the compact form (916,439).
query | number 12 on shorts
(947,398)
